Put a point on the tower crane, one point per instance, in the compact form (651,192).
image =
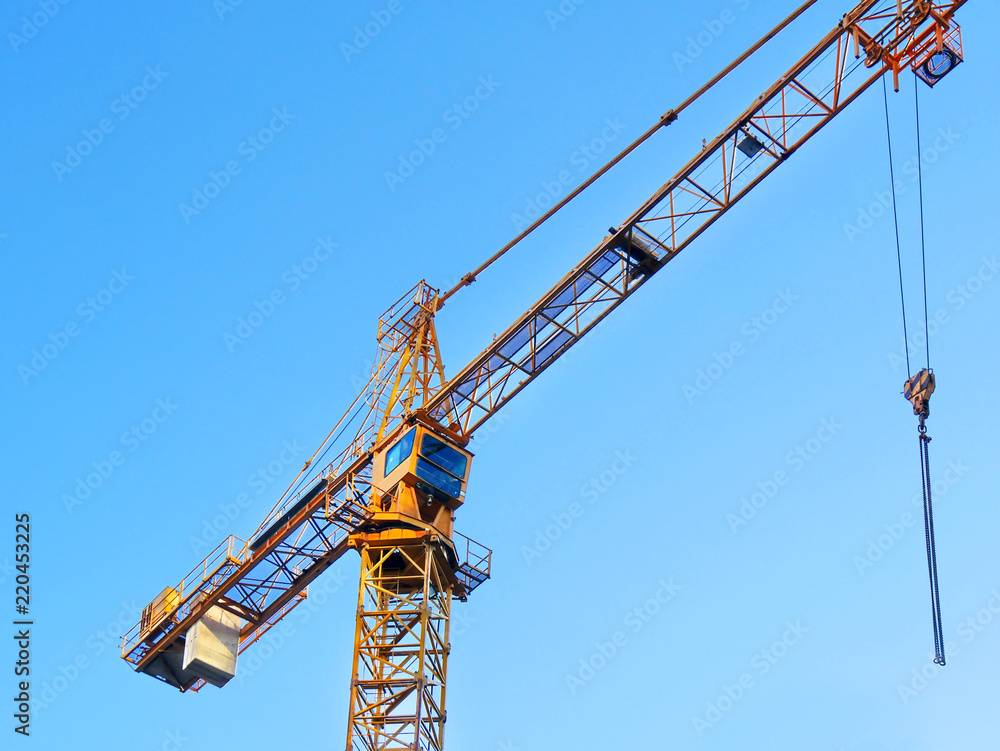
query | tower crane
(393,486)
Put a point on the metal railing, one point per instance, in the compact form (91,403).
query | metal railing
(474,561)
(231,552)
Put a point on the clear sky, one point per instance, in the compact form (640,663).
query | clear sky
(170,167)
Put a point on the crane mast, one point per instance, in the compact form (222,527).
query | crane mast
(392,490)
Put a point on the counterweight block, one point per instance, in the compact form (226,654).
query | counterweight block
(211,646)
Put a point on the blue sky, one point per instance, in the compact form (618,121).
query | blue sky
(170,171)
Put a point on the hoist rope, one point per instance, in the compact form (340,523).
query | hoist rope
(895,217)
(923,244)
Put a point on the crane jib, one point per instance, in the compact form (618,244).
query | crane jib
(829,78)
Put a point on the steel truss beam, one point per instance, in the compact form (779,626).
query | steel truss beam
(401,647)
(263,580)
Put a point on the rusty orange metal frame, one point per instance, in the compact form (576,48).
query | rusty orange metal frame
(308,530)
(401,648)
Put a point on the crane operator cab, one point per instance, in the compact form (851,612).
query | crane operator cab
(420,480)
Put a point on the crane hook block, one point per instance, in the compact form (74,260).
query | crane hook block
(918,390)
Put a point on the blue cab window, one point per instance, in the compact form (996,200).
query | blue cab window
(438,478)
(441,466)
(399,453)
(444,456)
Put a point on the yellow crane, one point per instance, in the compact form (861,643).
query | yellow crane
(393,486)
